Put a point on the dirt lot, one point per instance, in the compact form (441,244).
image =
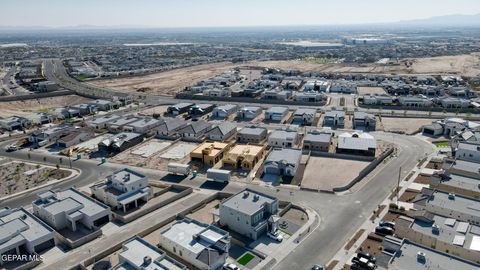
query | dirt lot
(326,173)
(205,214)
(19,176)
(370,90)
(408,125)
(465,65)
(168,82)
(25,107)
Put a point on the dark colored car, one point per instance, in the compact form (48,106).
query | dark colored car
(367,256)
(384,231)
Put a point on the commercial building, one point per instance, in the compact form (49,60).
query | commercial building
(282,162)
(316,140)
(283,138)
(222,132)
(224,111)
(304,116)
(209,153)
(123,189)
(119,142)
(252,135)
(248,213)
(357,143)
(276,113)
(248,113)
(23,233)
(244,156)
(138,254)
(334,118)
(202,245)
(70,209)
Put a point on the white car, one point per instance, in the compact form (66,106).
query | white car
(275,236)
(230,266)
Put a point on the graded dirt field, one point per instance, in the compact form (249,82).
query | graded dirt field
(25,107)
(370,90)
(167,82)
(408,125)
(173,81)
(325,173)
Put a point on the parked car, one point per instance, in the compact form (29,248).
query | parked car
(367,256)
(363,263)
(275,236)
(317,267)
(230,266)
(11,148)
(384,230)
(389,224)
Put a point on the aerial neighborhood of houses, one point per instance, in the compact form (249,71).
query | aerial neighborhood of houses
(241,166)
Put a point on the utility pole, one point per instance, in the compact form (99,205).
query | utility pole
(398,181)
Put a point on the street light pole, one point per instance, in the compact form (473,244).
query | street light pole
(398,182)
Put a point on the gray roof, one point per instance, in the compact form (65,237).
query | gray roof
(126,175)
(136,249)
(277,110)
(469,147)
(103,119)
(172,124)
(195,127)
(466,166)
(462,182)
(245,201)
(363,115)
(460,204)
(251,108)
(181,105)
(223,128)
(69,200)
(448,230)
(18,225)
(283,134)
(285,156)
(435,260)
(194,236)
(302,111)
(144,122)
(363,142)
(252,131)
(124,120)
(119,139)
(318,137)
(334,113)
(227,107)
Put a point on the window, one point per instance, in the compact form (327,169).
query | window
(174,250)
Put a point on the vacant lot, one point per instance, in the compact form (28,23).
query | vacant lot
(19,176)
(370,90)
(408,125)
(327,173)
(167,82)
(25,107)
(465,65)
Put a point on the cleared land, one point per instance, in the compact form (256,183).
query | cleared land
(173,81)
(327,173)
(408,125)
(370,90)
(25,107)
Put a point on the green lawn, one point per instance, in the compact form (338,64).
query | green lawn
(442,144)
(81,78)
(247,257)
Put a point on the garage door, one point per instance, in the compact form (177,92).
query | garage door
(45,245)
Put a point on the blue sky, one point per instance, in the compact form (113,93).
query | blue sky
(188,13)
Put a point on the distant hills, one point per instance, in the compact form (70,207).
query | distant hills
(448,20)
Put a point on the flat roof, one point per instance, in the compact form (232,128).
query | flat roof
(362,141)
(277,109)
(434,260)
(318,137)
(126,175)
(70,200)
(252,130)
(143,122)
(289,135)
(245,150)
(466,166)
(462,182)
(460,203)
(302,111)
(28,227)
(285,155)
(193,235)
(136,249)
(248,201)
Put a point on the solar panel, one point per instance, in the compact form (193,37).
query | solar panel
(450,222)
(462,227)
(459,240)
